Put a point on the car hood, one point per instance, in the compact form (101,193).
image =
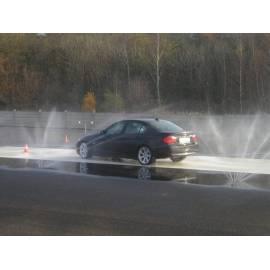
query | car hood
(88,138)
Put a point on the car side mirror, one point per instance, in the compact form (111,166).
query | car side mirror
(103,131)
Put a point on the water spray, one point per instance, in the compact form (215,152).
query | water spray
(67,139)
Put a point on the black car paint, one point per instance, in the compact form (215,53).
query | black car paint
(127,145)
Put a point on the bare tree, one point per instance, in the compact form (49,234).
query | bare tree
(158,55)
(127,64)
(240,72)
(224,79)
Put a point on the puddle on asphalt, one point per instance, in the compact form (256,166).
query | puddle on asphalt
(234,180)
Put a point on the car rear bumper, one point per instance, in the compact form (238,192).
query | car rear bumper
(176,150)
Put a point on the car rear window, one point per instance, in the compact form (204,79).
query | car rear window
(166,126)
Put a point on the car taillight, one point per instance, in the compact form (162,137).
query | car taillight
(194,138)
(170,140)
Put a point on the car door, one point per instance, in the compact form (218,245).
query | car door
(132,138)
(106,146)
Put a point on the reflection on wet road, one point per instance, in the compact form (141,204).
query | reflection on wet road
(129,172)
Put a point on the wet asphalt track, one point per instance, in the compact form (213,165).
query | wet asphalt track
(44,202)
(51,203)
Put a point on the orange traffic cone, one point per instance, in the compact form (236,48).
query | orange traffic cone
(66,139)
(26,149)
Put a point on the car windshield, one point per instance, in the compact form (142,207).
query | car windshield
(166,126)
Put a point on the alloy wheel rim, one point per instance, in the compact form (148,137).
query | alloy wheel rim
(83,150)
(144,155)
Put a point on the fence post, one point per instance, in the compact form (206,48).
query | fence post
(85,123)
(66,119)
(93,122)
(40,117)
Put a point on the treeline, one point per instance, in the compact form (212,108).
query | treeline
(221,73)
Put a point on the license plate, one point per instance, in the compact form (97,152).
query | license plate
(184,140)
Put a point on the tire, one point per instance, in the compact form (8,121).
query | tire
(177,159)
(145,155)
(84,151)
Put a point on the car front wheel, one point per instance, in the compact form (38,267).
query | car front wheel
(145,155)
(83,151)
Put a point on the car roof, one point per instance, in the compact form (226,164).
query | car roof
(146,120)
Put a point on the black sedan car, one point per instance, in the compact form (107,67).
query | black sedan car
(141,139)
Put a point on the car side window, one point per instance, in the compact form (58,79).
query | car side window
(115,129)
(142,129)
(135,128)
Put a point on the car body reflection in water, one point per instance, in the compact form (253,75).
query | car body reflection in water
(137,172)
(144,173)
(176,175)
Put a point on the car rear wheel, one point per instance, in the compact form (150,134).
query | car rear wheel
(145,155)
(83,151)
(177,159)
